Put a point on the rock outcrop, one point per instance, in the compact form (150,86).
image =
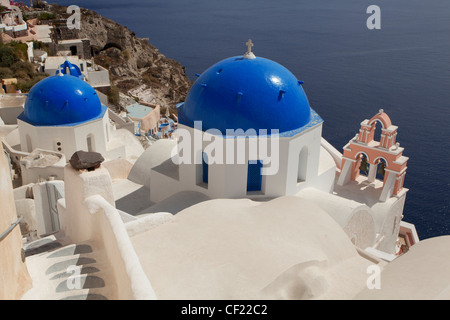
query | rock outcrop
(81,160)
(135,65)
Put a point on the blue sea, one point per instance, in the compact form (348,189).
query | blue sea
(350,72)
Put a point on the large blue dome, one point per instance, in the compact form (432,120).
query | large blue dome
(240,93)
(61,100)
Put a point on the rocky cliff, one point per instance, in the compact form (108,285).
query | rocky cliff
(137,68)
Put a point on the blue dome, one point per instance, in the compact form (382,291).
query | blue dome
(239,93)
(70,68)
(61,100)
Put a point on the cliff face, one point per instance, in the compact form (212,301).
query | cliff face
(137,67)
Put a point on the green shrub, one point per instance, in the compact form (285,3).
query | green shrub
(20,48)
(126,55)
(8,56)
(47,16)
(6,73)
(23,67)
(39,45)
(113,96)
(25,86)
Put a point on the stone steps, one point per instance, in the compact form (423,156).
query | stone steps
(67,271)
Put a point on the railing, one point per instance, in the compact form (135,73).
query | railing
(8,231)
(15,155)
(337,156)
(121,122)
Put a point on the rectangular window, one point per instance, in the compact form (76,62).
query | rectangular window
(254,176)
(204,167)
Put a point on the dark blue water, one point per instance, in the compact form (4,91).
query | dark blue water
(350,72)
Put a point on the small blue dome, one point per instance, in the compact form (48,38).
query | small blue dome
(70,68)
(61,100)
(240,93)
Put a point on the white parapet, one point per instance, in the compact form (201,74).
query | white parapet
(87,214)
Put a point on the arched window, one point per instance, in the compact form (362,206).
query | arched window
(381,165)
(364,165)
(90,142)
(204,167)
(107,132)
(302,165)
(377,131)
(29,144)
(201,167)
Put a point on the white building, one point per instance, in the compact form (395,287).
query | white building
(61,115)
(74,47)
(246,130)
(64,114)
(11,21)
(263,96)
(95,75)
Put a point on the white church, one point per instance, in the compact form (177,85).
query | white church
(246,130)
(63,114)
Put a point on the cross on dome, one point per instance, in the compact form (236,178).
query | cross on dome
(249,54)
(249,44)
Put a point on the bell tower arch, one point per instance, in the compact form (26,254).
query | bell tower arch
(384,158)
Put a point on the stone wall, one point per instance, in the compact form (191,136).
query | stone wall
(14,277)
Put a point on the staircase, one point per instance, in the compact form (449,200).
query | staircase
(67,271)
